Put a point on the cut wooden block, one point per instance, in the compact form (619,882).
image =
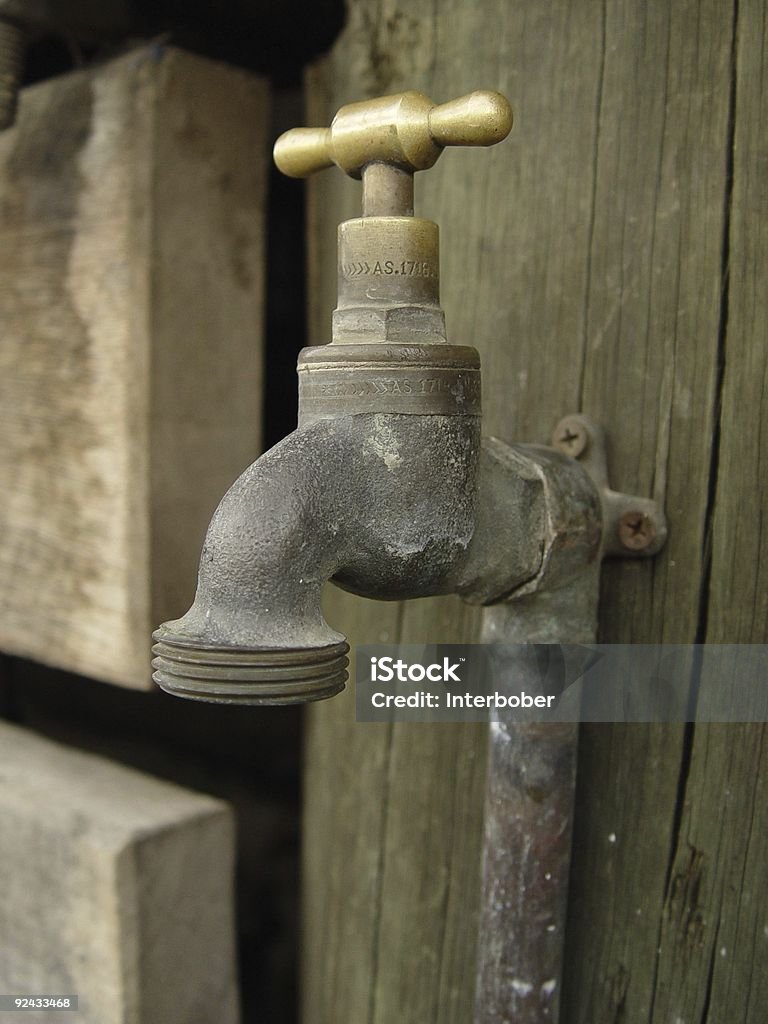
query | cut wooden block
(117,888)
(131,268)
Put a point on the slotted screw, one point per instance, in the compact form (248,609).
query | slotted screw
(636,531)
(570,437)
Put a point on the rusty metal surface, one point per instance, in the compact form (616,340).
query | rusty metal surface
(632,525)
(532,768)
(389,506)
(528,828)
(341,498)
(529,818)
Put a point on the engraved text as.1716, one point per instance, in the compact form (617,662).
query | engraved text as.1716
(390,268)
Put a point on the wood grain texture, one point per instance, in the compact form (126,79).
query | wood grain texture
(713,938)
(650,372)
(130,301)
(585,259)
(121,890)
(738,593)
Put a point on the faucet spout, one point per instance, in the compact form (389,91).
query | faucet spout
(255,632)
(382,503)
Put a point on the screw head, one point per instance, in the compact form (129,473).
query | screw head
(636,531)
(570,437)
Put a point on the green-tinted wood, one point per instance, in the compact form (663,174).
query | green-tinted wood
(584,259)
(431,856)
(346,799)
(738,597)
(650,375)
(714,941)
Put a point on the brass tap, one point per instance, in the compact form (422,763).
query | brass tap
(388,259)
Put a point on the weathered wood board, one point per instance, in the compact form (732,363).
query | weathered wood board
(131,265)
(607,258)
(714,931)
(118,888)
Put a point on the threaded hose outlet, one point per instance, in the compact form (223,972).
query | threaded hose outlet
(236,675)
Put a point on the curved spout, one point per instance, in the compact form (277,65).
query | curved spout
(256,616)
(382,503)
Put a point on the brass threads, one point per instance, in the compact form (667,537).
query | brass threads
(229,675)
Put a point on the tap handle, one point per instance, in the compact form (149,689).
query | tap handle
(406,130)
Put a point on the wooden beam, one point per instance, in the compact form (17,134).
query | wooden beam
(131,266)
(119,889)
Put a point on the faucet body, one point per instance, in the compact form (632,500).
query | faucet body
(385,487)
(388,505)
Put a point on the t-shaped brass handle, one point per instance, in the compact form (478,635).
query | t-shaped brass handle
(407,131)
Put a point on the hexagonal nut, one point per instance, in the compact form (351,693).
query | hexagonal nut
(414,324)
(511,522)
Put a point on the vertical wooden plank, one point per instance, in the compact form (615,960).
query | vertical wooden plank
(714,940)
(74,414)
(738,596)
(650,371)
(344,839)
(430,872)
